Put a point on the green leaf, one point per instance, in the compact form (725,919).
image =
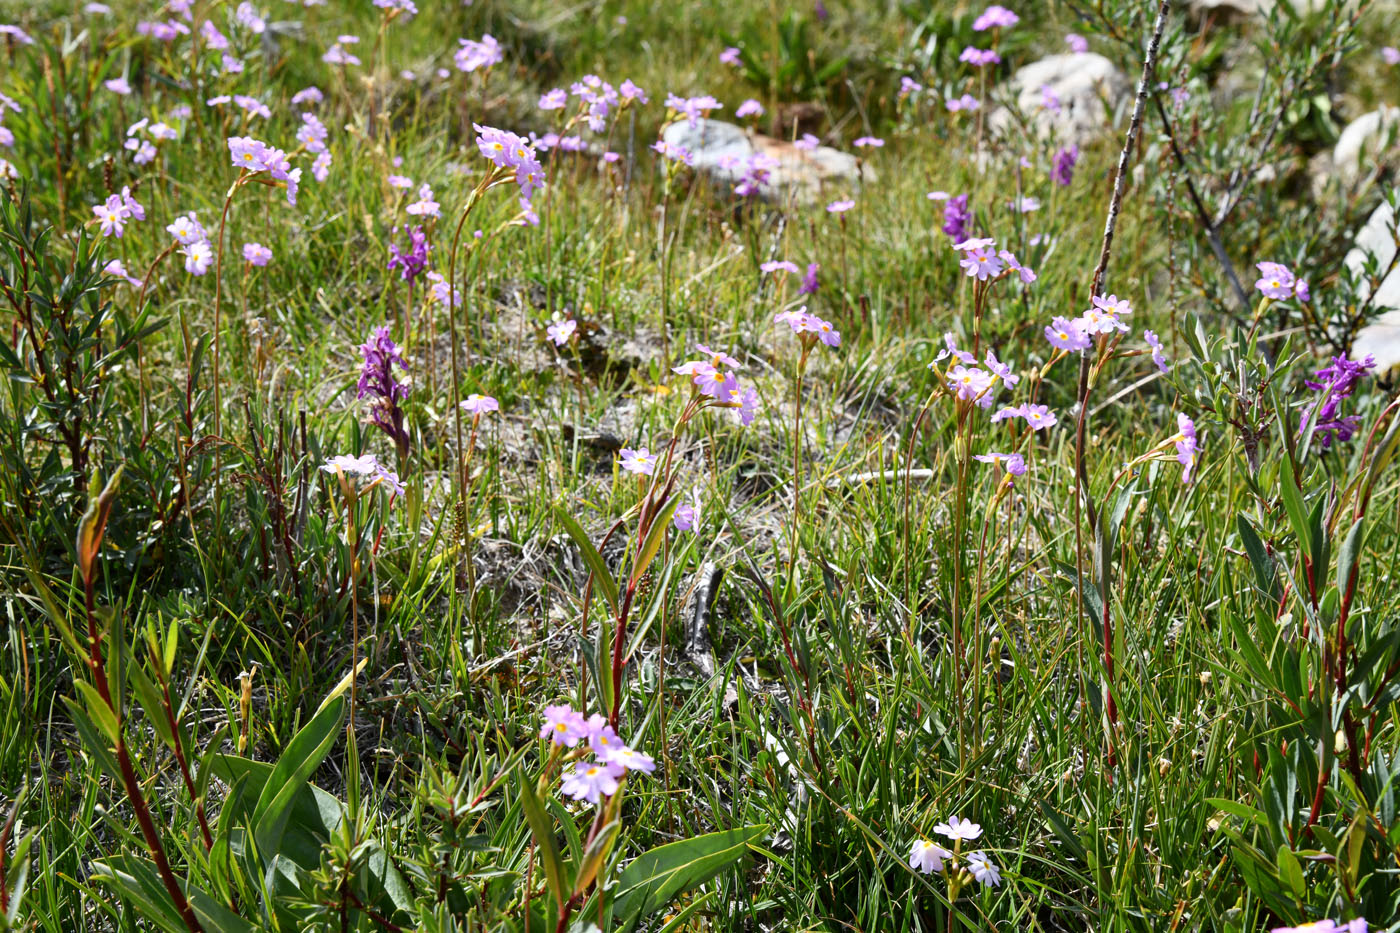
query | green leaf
(660,522)
(655,878)
(303,755)
(1293,505)
(602,577)
(100,713)
(1346,558)
(1290,871)
(546,846)
(1258,555)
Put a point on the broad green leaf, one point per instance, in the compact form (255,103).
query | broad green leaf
(602,577)
(660,522)
(655,878)
(1346,558)
(303,755)
(1290,871)
(546,845)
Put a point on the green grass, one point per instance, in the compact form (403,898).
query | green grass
(869,682)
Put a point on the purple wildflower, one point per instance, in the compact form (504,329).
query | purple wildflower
(1336,382)
(413,261)
(563,725)
(640,461)
(1015,464)
(1066,335)
(749,108)
(977,58)
(561,331)
(809,281)
(1187,446)
(956,217)
(255,254)
(592,781)
(1155,343)
(1063,171)
(1077,43)
(477,405)
(378,384)
(994,17)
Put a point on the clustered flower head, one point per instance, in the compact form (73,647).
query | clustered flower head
(114,213)
(1104,316)
(956,217)
(1063,171)
(982,261)
(509,151)
(714,379)
(254,157)
(958,870)
(809,328)
(473,55)
(978,58)
(368,467)
(1335,383)
(995,17)
(378,384)
(1277,281)
(592,780)
(692,108)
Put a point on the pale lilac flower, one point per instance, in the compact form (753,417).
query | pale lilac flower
(15,33)
(186,230)
(673,152)
(743,405)
(1180,96)
(231,65)
(1113,309)
(1077,43)
(248,17)
(592,781)
(1014,464)
(256,254)
(980,263)
(96,9)
(365,465)
(1050,100)
(640,461)
(715,383)
(631,92)
(479,404)
(957,828)
(118,86)
(928,857)
(402,182)
(809,280)
(807,142)
(307,95)
(563,725)
(117,268)
(1187,446)
(1276,281)
(692,108)
(873,142)
(248,153)
(1155,343)
(979,57)
(404,8)
(199,256)
(749,108)
(312,134)
(629,759)
(1000,369)
(1027,275)
(840,207)
(1038,416)
(1066,335)
(950,349)
(970,384)
(1326,926)
(717,358)
(561,331)
(729,56)
(1024,205)
(1391,55)
(425,206)
(321,166)
(337,54)
(556,99)
(909,87)
(252,106)
(439,291)
(473,55)
(824,331)
(111,216)
(163,132)
(966,102)
(983,870)
(995,17)
(779,265)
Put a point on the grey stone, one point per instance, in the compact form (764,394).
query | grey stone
(1089,87)
(1366,141)
(722,151)
(1382,337)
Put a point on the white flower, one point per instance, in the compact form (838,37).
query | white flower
(958,828)
(928,857)
(983,870)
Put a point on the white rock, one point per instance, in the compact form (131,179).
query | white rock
(1382,338)
(1089,88)
(722,150)
(1364,141)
